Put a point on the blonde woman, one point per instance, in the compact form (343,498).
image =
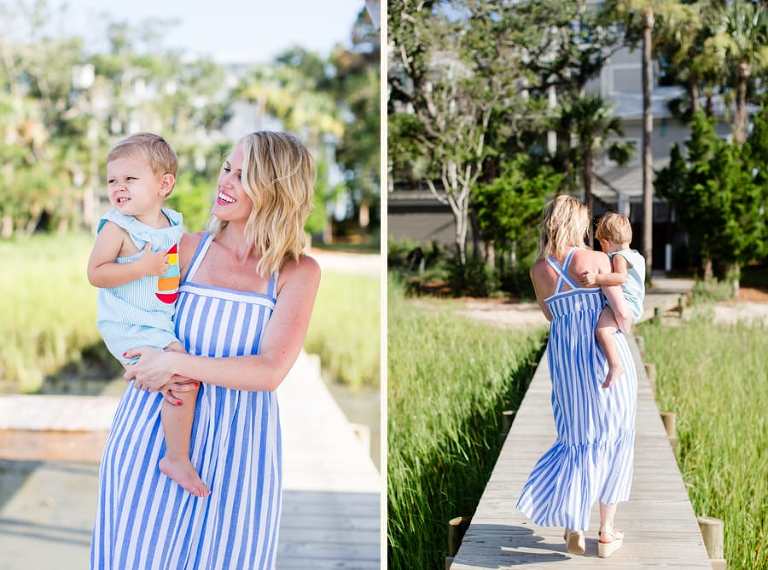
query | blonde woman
(244,305)
(592,457)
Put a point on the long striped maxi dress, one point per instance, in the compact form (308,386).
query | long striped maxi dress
(593,455)
(145,521)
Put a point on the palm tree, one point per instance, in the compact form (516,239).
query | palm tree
(591,120)
(741,44)
(681,42)
(647,11)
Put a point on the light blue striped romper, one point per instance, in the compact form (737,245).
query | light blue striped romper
(144,520)
(593,454)
(138,313)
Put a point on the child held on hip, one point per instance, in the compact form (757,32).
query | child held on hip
(614,232)
(134,262)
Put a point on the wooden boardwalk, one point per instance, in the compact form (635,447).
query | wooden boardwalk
(48,479)
(659,523)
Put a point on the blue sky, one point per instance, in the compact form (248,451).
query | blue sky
(229,30)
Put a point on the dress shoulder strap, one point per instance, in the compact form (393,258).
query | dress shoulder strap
(562,272)
(567,263)
(272,287)
(197,257)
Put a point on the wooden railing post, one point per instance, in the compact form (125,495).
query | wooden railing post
(457,526)
(506,420)
(670,426)
(650,371)
(712,533)
(657,315)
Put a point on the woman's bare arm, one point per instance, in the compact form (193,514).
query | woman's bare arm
(536,275)
(282,342)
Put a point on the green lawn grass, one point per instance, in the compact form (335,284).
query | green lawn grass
(48,315)
(716,379)
(449,380)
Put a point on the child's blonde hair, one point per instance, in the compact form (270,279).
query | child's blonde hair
(154,148)
(278,175)
(614,228)
(565,224)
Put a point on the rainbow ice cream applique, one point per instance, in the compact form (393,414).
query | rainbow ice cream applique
(168,283)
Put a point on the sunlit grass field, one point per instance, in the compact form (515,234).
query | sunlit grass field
(449,380)
(48,315)
(716,379)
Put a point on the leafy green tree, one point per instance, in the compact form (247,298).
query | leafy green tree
(446,93)
(740,42)
(593,123)
(718,195)
(355,86)
(509,207)
(639,17)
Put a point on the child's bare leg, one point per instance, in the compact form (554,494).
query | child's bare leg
(606,328)
(177,427)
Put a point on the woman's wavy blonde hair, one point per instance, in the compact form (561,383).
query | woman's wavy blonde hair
(566,221)
(278,175)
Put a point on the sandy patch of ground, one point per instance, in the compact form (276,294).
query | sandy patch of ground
(746,311)
(362,263)
(498,312)
(751,306)
(755,295)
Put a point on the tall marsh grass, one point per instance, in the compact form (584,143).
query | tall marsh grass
(47,307)
(449,379)
(48,315)
(716,379)
(344,329)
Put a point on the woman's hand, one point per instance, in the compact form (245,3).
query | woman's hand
(152,372)
(171,390)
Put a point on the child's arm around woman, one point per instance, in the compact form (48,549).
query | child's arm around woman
(111,243)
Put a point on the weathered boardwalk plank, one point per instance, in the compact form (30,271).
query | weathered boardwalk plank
(659,523)
(50,447)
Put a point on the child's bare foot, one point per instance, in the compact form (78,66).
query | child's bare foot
(614,373)
(182,471)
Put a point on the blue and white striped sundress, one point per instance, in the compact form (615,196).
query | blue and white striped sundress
(594,451)
(144,520)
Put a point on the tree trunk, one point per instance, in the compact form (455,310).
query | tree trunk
(490,254)
(6,227)
(693,95)
(328,230)
(586,177)
(733,274)
(740,117)
(708,271)
(647,157)
(364,214)
(461,236)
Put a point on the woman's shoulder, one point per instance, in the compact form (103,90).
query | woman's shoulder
(304,269)
(591,257)
(539,266)
(191,239)
(188,245)
(304,266)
